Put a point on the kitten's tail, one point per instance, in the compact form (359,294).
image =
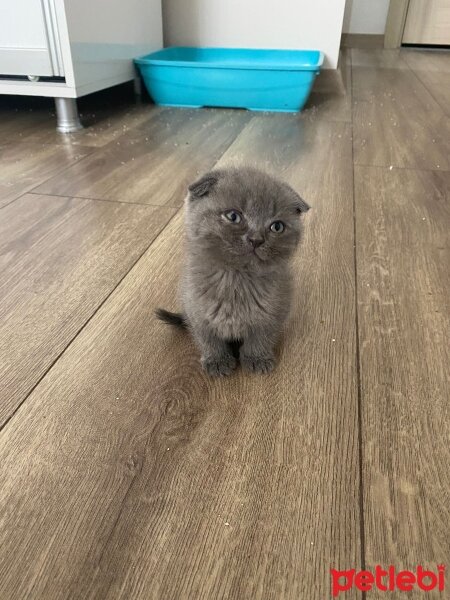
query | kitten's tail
(170,318)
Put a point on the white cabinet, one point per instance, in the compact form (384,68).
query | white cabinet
(26,39)
(70,48)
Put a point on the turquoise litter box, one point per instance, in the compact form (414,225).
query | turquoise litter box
(264,80)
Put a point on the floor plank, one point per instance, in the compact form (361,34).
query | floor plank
(105,116)
(163,483)
(403,224)
(379,59)
(385,133)
(330,98)
(436,61)
(171,147)
(433,70)
(17,120)
(59,259)
(24,166)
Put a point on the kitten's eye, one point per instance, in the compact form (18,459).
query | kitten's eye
(233,216)
(277,227)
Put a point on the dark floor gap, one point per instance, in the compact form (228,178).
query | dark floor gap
(358,360)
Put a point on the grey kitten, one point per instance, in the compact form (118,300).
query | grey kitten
(242,227)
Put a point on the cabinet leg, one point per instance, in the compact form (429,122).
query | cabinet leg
(67,115)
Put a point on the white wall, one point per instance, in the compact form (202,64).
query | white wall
(365,16)
(308,24)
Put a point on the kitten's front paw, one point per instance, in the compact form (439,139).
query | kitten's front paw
(258,364)
(219,366)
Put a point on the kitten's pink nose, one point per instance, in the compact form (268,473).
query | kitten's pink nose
(255,241)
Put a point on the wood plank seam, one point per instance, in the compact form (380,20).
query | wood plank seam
(357,357)
(63,169)
(397,168)
(444,108)
(99,200)
(10,417)
(30,190)
(105,173)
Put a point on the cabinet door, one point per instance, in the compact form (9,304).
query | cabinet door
(29,39)
(427,22)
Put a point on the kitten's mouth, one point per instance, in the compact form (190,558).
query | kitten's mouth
(249,253)
(255,252)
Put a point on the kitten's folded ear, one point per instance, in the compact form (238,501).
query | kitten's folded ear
(204,185)
(300,205)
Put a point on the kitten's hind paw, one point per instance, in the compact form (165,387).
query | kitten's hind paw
(219,366)
(258,364)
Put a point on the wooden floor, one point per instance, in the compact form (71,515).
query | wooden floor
(125,472)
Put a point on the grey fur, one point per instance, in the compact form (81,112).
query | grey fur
(232,288)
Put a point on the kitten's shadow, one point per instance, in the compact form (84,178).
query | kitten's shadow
(235,346)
